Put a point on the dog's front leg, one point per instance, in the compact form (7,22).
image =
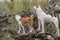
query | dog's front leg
(42,27)
(20,25)
(39,25)
(19,29)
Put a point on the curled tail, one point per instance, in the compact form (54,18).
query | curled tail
(32,16)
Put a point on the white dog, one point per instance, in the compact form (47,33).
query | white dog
(42,16)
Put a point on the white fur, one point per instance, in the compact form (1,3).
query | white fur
(42,16)
(17,17)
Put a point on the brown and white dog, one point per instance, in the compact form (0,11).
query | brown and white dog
(22,21)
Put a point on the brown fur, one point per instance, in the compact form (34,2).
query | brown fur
(27,20)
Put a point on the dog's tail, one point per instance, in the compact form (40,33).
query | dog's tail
(32,16)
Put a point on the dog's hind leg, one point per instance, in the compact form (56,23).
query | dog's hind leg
(39,28)
(55,20)
(23,29)
(30,28)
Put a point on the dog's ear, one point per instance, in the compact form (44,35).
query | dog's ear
(35,7)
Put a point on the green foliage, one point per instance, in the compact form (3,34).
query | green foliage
(18,6)
(15,6)
(5,9)
(44,1)
(2,37)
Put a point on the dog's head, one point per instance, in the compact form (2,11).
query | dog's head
(36,6)
(15,13)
